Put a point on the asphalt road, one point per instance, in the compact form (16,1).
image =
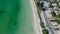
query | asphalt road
(47,23)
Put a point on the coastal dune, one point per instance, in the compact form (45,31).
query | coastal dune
(36,20)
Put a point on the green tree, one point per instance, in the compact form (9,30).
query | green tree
(45,31)
(53,13)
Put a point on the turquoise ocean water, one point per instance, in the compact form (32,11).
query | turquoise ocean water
(16,17)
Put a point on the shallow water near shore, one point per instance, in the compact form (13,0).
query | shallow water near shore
(16,17)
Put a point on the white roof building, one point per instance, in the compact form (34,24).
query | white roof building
(54,23)
(54,4)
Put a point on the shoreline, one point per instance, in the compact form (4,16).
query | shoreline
(36,21)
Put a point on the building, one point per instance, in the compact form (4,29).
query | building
(54,23)
(54,4)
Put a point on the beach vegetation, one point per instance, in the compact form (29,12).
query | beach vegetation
(45,31)
(38,5)
(42,25)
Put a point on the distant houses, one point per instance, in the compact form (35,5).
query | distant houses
(52,11)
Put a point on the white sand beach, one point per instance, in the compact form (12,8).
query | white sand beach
(36,20)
